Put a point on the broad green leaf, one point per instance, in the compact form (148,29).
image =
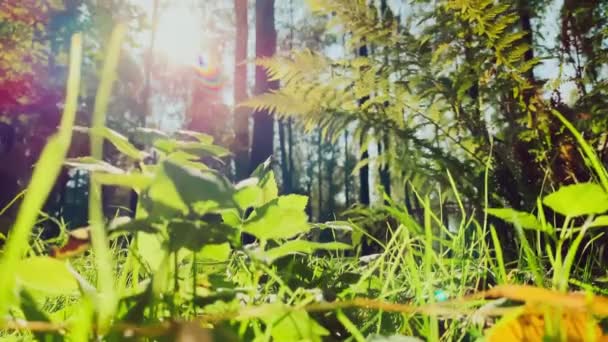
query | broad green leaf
(231,217)
(293,201)
(199,149)
(281,218)
(201,137)
(147,136)
(525,220)
(145,225)
(92,165)
(294,326)
(578,199)
(119,141)
(218,252)
(133,180)
(249,197)
(47,275)
(200,186)
(266,180)
(194,235)
(302,246)
(269,188)
(600,221)
(162,197)
(187,159)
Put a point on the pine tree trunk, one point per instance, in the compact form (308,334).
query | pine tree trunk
(265,46)
(364,171)
(285,171)
(346,171)
(241,115)
(320,175)
(385,173)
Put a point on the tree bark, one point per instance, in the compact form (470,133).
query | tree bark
(265,46)
(364,171)
(346,171)
(241,115)
(385,173)
(285,171)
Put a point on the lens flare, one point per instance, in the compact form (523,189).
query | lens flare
(208,74)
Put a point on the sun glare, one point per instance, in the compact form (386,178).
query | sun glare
(179,35)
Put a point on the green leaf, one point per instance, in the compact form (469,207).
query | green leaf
(145,225)
(217,252)
(200,149)
(293,201)
(248,194)
(302,246)
(195,186)
(578,199)
(135,180)
(201,137)
(119,141)
(270,191)
(162,197)
(147,136)
(281,218)
(182,189)
(600,221)
(194,235)
(293,325)
(47,275)
(92,165)
(187,159)
(525,220)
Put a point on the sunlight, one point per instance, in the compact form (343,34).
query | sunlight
(179,35)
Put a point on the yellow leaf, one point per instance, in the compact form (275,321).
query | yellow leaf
(529,325)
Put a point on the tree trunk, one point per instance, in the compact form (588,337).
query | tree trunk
(241,115)
(364,171)
(385,173)
(265,46)
(320,174)
(346,171)
(285,171)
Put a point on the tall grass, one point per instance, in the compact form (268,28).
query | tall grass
(43,179)
(108,298)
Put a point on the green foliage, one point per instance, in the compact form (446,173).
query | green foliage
(47,275)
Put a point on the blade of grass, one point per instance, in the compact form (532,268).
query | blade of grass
(99,240)
(596,163)
(502,272)
(350,326)
(43,178)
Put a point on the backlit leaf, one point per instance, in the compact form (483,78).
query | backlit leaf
(281,218)
(578,199)
(525,220)
(47,275)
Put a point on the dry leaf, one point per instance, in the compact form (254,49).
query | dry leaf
(528,324)
(573,312)
(79,240)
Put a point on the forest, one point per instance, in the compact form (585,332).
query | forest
(303,170)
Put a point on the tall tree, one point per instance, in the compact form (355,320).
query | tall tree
(241,114)
(363,171)
(265,46)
